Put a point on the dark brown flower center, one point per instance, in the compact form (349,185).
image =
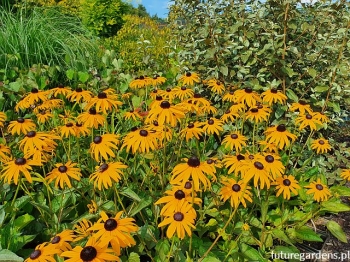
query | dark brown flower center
(281,128)
(258,165)
(155,76)
(210,161)
(103,167)
(269,159)
(34,90)
(321,142)
(69,124)
(193,161)
(254,110)
(287,182)
(183,88)
(31,134)
(240,157)
(302,102)
(319,187)
(20,120)
(20,161)
(236,188)
(143,133)
(141,77)
(197,95)
(211,122)
(188,74)
(155,91)
(165,104)
(110,224)
(218,83)
(35,254)
(97,139)
(78,90)
(231,92)
(159,98)
(179,194)
(56,240)
(308,116)
(178,216)
(188,185)
(273,90)
(102,95)
(251,157)
(234,136)
(248,90)
(133,129)
(168,89)
(63,169)
(92,111)
(88,254)
(155,123)
(190,125)
(78,124)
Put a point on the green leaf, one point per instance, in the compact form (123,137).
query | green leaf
(22,221)
(278,233)
(134,257)
(131,194)
(334,207)
(251,253)
(141,205)
(291,95)
(307,234)
(341,190)
(136,101)
(336,231)
(2,215)
(8,256)
(224,70)
(70,74)
(312,72)
(15,86)
(211,259)
(320,89)
(163,248)
(83,76)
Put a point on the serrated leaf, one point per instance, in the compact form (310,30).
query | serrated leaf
(141,205)
(134,257)
(334,207)
(8,256)
(336,231)
(307,234)
(163,249)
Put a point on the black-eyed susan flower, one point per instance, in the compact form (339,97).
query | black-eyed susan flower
(272,96)
(268,147)
(181,221)
(167,94)
(193,168)
(13,169)
(173,199)
(127,96)
(81,229)
(115,231)
(79,95)
(61,241)
(237,108)
(158,80)
(229,116)
(63,173)
(36,96)
(255,169)
(60,90)
(213,126)
(216,86)
(234,141)
(301,106)
(247,96)
(273,164)
(104,102)
(102,146)
(321,146)
(3,118)
(132,114)
(308,120)
(213,163)
(142,141)
(319,190)
(192,130)
(207,109)
(81,130)
(279,135)
(92,252)
(237,191)
(38,141)
(233,163)
(165,113)
(68,130)
(43,253)
(257,115)
(67,117)
(229,96)
(92,206)
(106,173)
(190,79)
(22,104)
(183,92)
(345,174)
(140,82)
(322,117)
(285,185)
(21,126)
(5,153)
(91,119)
(43,116)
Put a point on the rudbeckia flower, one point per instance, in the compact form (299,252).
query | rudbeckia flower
(92,206)
(194,169)
(5,153)
(21,126)
(68,129)
(321,146)
(173,199)
(158,80)
(236,108)
(140,82)
(180,221)
(255,169)
(301,106)
(273,164)
(2,119)
(103,102)
(13,169)
(234,163)
(92,252)
(216,86)
(60,90)
(165,113)
(183,92)
(229,116)
(105,173)
(247,96)
(230,96)
(37,141)
(81,229)
(61,240)
(257,115)
(308,120)
(167,94)
(102,146)
(279,135)
(272,96)
(192,130)
(36,96)
(234,140)
(268,147)
(62,174)
(285,185)
(207,109)
(132,114)
(115,231)
(91,119)
(189,79)
(81,130)
(141,141)
(79,95)
(43,253)
(319,190)
(237,191)
(43,117)
(213,126)
(345,174)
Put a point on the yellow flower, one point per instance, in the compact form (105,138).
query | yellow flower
(44,116)
(319,190)
(43,253)
(60,90)
(158,80)
(79,95)
(102,146)
(189,79)
(3,118)
(14,168)
(140,82)
(234,163)
(105,173)
(213,126)
(36,96)
(272,96)
(37,141)
(60,241)
(81,229)
(192,130)
(237,191)
(308,120)
(257,115)
(234,140)
(183,93)
(5,153)
(345,174)
(216,86)
(321,146)
(229,117)
(273,164)
(247,96)
(92,207)
(21,126)
(104,101)
(67,130)
(255,169)
(62,174)
(285,185)
(141,141)
(165,113)
(301,106)
(91,119)
(279,135)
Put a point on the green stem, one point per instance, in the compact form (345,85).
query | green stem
(170,250)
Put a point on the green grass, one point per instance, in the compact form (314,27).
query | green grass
(44,36)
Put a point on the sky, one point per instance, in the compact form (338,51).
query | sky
(158,7)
